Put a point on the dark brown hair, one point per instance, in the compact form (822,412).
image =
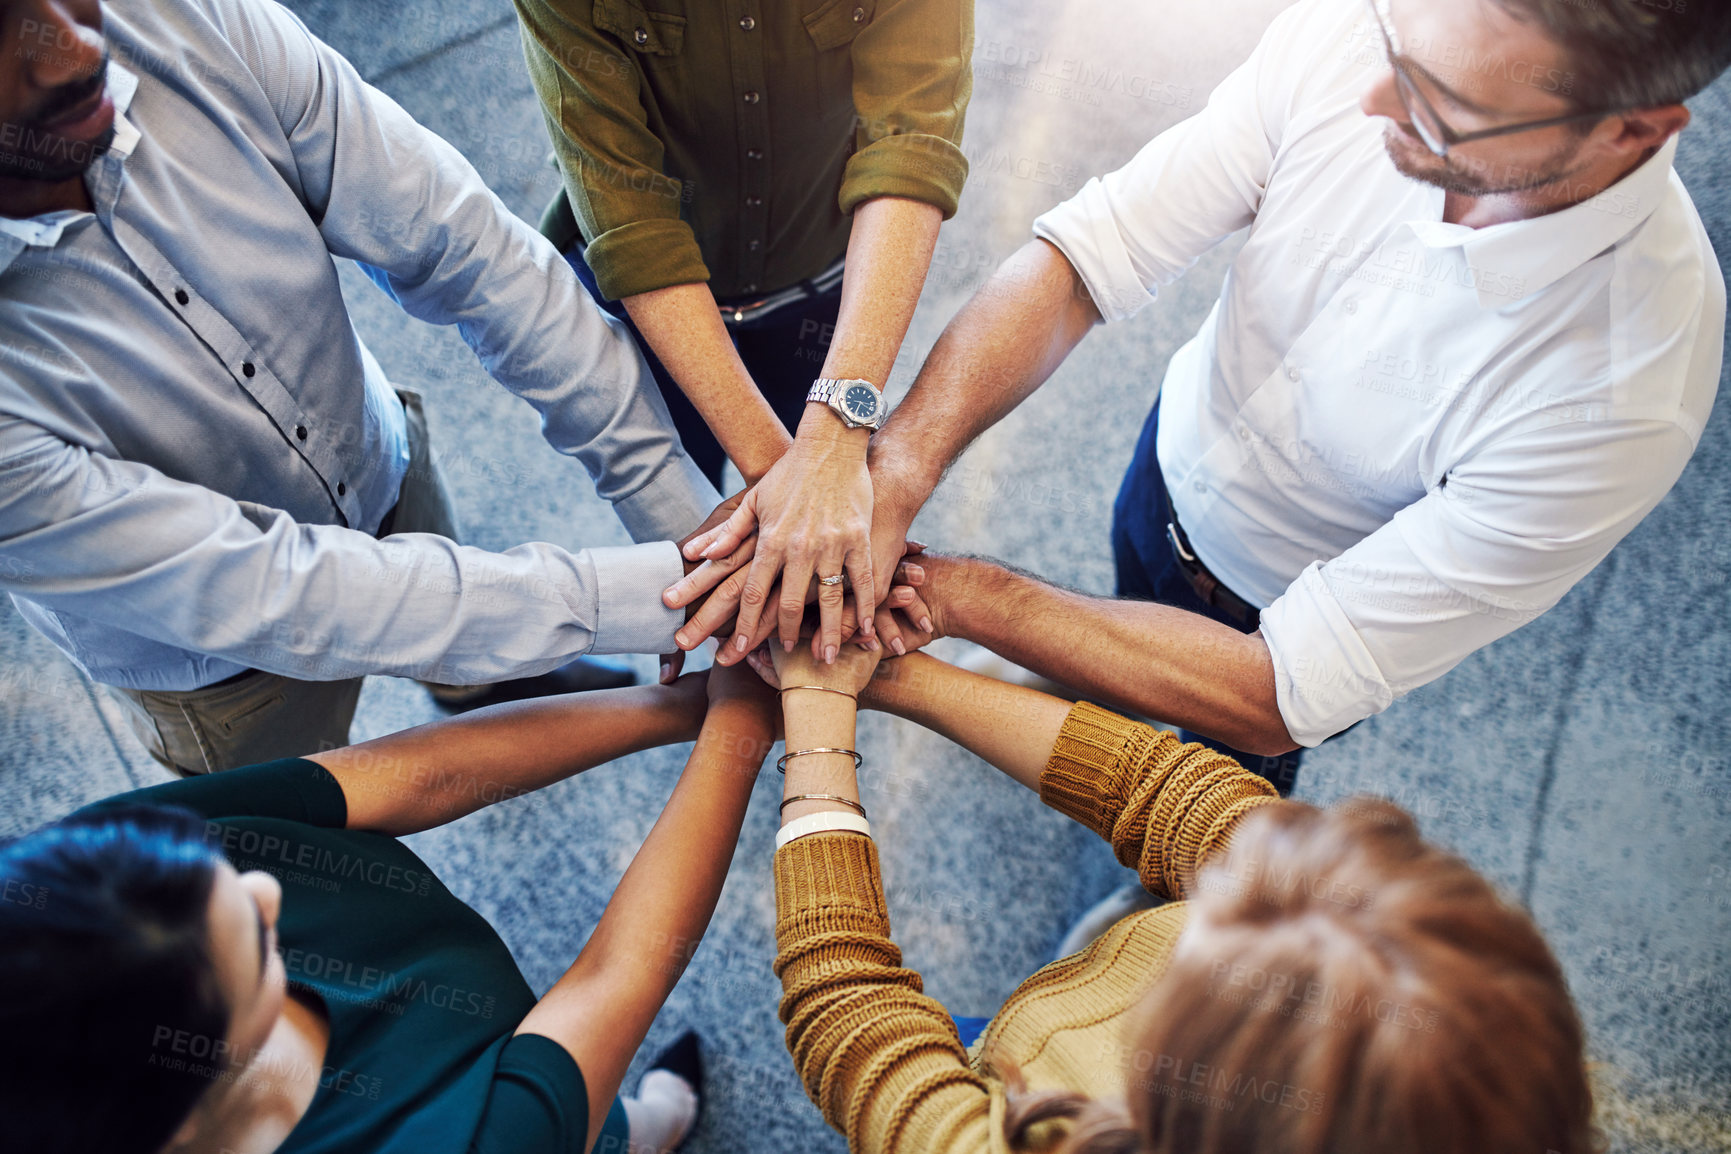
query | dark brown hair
(1634,53)
(1344,987)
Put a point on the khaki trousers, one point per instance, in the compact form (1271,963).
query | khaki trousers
(257,716)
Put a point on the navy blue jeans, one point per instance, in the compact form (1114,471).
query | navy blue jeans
(783,352)
(1147,570)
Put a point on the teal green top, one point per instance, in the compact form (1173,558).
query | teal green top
(421,993)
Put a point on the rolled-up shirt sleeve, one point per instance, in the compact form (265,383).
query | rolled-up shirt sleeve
(628,209)
(1511,530)
(404,204)
(913,79)
(1140,227)
(118,543)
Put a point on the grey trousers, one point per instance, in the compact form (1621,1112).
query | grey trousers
(258,716)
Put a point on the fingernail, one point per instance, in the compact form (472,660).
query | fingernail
(787,647)
(742,643)
(896,644)
(829,655)
(682,641)
(917,572)
(666,674)
(917,544)
(872,645)
(925,625)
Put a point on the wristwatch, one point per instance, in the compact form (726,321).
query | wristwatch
(860,404)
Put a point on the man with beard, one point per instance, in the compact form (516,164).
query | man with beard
(211,498)
(1470,341)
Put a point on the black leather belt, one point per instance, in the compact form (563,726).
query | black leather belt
(1207,586)
(744,310)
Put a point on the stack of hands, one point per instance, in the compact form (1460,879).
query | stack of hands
(750,575)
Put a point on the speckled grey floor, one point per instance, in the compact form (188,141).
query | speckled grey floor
(1582,762)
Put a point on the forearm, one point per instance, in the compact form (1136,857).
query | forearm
(818,720)
(893,1075)
(434,774)
(889,252)
(1166,806)
(1155,660)
(899,1081)
(1010,726)
(684,328)
(119,543)
(601,1009)
(1002,346)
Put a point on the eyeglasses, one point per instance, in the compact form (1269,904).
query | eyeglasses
(1431,128)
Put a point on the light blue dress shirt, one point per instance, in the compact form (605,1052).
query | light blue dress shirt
(195,447)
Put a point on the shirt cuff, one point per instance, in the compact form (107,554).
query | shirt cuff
(643,256)
(672,505)
(915,166)
(630,616)
(1083,229)
(1325,679)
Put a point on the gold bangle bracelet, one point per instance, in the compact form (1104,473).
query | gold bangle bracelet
(823,689)
(835,797)
(781,762)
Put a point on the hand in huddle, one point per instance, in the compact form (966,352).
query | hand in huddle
(745,707)
(714,616)
(673,663)
(852,669)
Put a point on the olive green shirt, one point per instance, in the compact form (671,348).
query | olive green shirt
(729,141)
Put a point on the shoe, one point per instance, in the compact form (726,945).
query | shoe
(684,1060)
(1103,915)
(579,676)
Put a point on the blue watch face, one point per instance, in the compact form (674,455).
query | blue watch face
(860,402)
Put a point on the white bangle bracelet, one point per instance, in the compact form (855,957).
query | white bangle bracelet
(822,823)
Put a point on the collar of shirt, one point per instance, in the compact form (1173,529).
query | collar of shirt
(1537,252)
(45,231)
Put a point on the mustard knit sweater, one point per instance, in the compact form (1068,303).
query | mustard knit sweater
(883,1062)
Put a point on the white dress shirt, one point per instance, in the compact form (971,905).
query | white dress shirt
(1401,438)
(195,448)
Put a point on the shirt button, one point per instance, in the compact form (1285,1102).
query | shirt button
(1350,306)
(342,489)
(752,98)
(750,288)
(300,432)
(746,24)
(753,245)
(754,154)
(753,201)
(1243,433)
(180,296)
(1292,374)
(641,36)
(248,369)
(1201,486)
(858,15)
